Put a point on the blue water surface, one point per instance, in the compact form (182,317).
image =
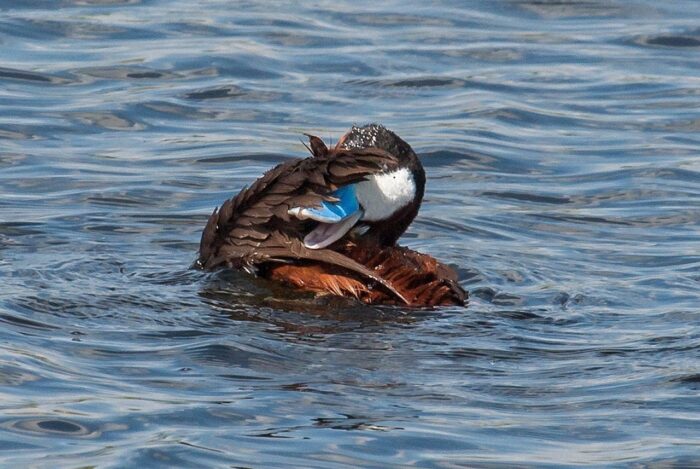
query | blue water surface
(561,139)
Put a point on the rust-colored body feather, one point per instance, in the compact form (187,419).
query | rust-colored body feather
(419,278)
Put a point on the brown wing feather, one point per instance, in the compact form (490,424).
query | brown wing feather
(254,227)
(303,182)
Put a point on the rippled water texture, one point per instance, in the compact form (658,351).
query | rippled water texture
(561,144)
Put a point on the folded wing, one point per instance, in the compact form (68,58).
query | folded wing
(300,201)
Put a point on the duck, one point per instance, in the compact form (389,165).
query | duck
(329,224)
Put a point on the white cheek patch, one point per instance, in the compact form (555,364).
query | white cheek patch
(383,194)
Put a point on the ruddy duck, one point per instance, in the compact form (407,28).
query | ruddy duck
(329,224)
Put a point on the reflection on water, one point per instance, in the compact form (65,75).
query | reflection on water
(560,143)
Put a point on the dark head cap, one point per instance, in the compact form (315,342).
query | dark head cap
(377,136)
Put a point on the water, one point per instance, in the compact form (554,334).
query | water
(560,139)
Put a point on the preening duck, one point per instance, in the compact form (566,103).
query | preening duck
(329,223)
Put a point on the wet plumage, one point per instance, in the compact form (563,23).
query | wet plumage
(261,231)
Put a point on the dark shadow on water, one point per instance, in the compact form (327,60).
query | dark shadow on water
(669,40)
(246,298)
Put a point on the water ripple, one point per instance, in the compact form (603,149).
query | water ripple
(560,143)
